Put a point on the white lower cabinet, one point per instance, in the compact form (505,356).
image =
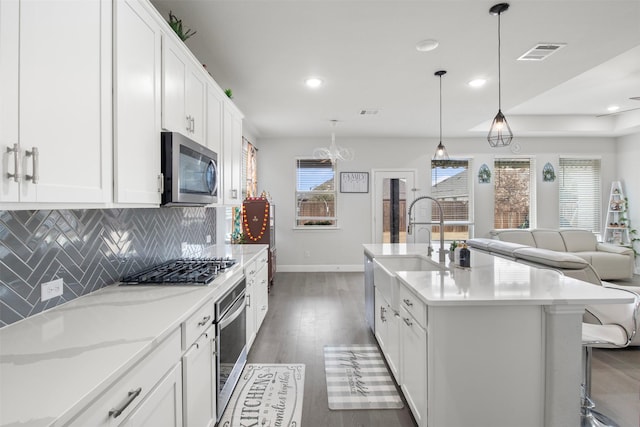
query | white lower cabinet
(163,406)
(155,378)
(257,274)
(413,339)
(198,374)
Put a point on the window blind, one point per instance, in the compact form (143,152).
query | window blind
(580,193)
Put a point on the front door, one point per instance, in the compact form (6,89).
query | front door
(392,194)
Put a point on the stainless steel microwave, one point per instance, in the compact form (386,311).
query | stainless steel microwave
(190,172)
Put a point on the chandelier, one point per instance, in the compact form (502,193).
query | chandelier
(333,152)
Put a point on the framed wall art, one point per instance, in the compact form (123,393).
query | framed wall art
(354,182)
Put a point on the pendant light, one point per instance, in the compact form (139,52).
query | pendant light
(441,154)
(500,134)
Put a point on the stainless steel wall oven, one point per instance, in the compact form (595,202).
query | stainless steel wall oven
(231,339)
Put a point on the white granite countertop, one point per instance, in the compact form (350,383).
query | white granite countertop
(493,281)
(56,362)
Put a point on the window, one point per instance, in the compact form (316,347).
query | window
(580,193)
(512,193)
(450,186)
(315,193)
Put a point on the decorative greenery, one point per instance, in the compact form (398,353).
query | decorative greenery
(176,24)
(229,93)
(453,246)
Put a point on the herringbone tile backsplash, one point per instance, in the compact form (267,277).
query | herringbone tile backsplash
(88,249)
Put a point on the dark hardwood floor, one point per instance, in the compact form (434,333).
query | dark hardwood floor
(306,312)
(310,310)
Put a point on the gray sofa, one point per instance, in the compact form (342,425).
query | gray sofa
(548,249)
(611,262)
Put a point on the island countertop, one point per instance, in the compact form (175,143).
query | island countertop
(493,280)
(56,362)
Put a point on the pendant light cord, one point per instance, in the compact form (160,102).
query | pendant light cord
(440,108)
(499,74)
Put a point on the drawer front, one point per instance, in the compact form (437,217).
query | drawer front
(250,271)
(113,406)
(413,305)
(262,261)
(197,323)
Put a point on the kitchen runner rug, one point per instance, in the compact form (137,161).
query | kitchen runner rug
(357,378)
(266,395)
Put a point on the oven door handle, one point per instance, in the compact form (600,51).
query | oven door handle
(235,311)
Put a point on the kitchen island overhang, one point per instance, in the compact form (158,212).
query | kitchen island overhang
(503,340)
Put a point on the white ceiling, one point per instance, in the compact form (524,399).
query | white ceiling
(364,50)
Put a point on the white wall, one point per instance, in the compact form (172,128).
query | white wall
(318,250)
(628,171)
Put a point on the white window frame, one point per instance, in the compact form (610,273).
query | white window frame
(532,185)
(334,192)
(598,209)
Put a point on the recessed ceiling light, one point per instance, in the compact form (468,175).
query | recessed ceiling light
(313,82)
(426,45)
(477,82)
(613,108)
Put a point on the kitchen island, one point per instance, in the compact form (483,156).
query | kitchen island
(496,344)
(58,365)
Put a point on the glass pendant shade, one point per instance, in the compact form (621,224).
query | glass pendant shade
(500,134)
(441,153)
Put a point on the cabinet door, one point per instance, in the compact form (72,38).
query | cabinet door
(414,365)
(137,104)
(194,102)
(198,368)
(163,406)
(232,155)
(251,310)
(214,120)
(9,42)
(261,289)
(65,100)
(174,72)
(393,342)
(380,320)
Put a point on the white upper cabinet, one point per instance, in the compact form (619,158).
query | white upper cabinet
(137,105)
(56,101)
(215,106)
(183,91)
(232,155)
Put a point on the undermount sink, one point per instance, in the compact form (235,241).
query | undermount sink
(409,263)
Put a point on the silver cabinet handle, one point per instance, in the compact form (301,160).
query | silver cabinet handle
(204,321)
(248,300)
(35,160)
(407,321)
(193,125)
(408,302)
(115,412)
(161,183)
(16,175)
(188,123)
(234,194)
(382,317)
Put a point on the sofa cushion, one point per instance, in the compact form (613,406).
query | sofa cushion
(480,243)
(551,258)
(612,266)
(523,237)
(579,240)
(505,248)
(549,239)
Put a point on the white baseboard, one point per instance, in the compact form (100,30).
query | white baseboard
(319,268)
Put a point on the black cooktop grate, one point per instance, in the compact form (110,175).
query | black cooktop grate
(181,271)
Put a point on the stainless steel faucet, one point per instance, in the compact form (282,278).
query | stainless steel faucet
(442,252)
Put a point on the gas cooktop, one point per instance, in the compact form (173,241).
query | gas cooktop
(199,271)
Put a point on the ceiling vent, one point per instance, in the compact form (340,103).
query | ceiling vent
(369,112)
(541,51)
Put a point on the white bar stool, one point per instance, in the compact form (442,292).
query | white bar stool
(617,327)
